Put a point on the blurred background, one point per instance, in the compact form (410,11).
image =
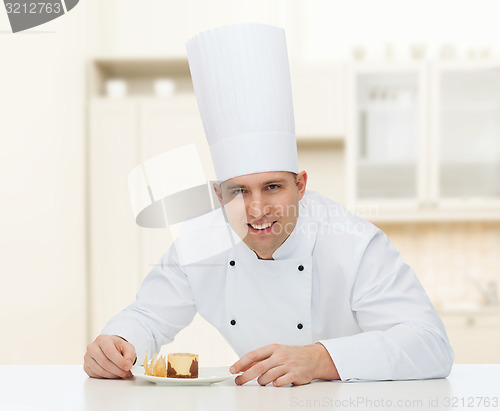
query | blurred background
(397,108)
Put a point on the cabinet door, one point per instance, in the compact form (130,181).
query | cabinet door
(318,100)
(166,124)
(386,144)
(114,248)
(466,133)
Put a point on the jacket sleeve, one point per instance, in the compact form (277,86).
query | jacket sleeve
(402,336)
(164,305)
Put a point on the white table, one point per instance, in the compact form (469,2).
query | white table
(68,388)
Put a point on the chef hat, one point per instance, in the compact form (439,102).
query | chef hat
(241,79)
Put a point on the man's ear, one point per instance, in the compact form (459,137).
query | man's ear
(301,180)
(218,191)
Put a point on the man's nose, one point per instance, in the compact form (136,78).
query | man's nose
(258,208)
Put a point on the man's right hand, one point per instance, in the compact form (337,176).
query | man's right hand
(109,356)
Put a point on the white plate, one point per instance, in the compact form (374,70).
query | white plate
(206,376)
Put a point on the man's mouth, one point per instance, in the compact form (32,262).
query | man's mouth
(263,228)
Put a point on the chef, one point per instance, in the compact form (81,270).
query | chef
(309,291)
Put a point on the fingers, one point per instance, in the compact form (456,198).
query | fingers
(281,376)
(272,375)
(99,362)
(232,369)
(276,363)
(112,348)
(288,378)
(245,362)
(256,370)
(127,351)
(94,370)
(104,358)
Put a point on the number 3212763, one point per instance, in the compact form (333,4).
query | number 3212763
(33,8)
(471,402)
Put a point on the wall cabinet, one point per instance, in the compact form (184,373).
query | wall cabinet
(423,141)
(465,133)
(386,147)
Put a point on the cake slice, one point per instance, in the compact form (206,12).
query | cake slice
(182,365)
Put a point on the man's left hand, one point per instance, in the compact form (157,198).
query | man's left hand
(284,364)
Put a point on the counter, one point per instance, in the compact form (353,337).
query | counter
(469,386)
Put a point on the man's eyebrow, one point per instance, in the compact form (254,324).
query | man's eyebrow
(278,181)
(231,186)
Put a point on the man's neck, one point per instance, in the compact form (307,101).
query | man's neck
(264,257)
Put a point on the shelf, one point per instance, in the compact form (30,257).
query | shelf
(138,75)
(130,67)
(318,140)
(385,107)
(470,107)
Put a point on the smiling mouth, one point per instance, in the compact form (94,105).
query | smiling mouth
(261,228)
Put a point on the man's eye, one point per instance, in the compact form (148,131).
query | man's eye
(273,186)
(237,191)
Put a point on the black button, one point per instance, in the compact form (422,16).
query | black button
(233,322)
(301,267)
(300,326)
(232,263)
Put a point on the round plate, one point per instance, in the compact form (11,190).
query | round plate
(206,376)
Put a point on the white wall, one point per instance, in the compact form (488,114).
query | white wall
(42,242)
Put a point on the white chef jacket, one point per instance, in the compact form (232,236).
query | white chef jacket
(336,280)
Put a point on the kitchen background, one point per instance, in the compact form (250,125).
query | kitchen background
(397,109)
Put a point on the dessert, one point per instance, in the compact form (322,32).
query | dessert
(157,367)
(182,365)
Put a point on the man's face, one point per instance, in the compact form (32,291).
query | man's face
(263,208)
